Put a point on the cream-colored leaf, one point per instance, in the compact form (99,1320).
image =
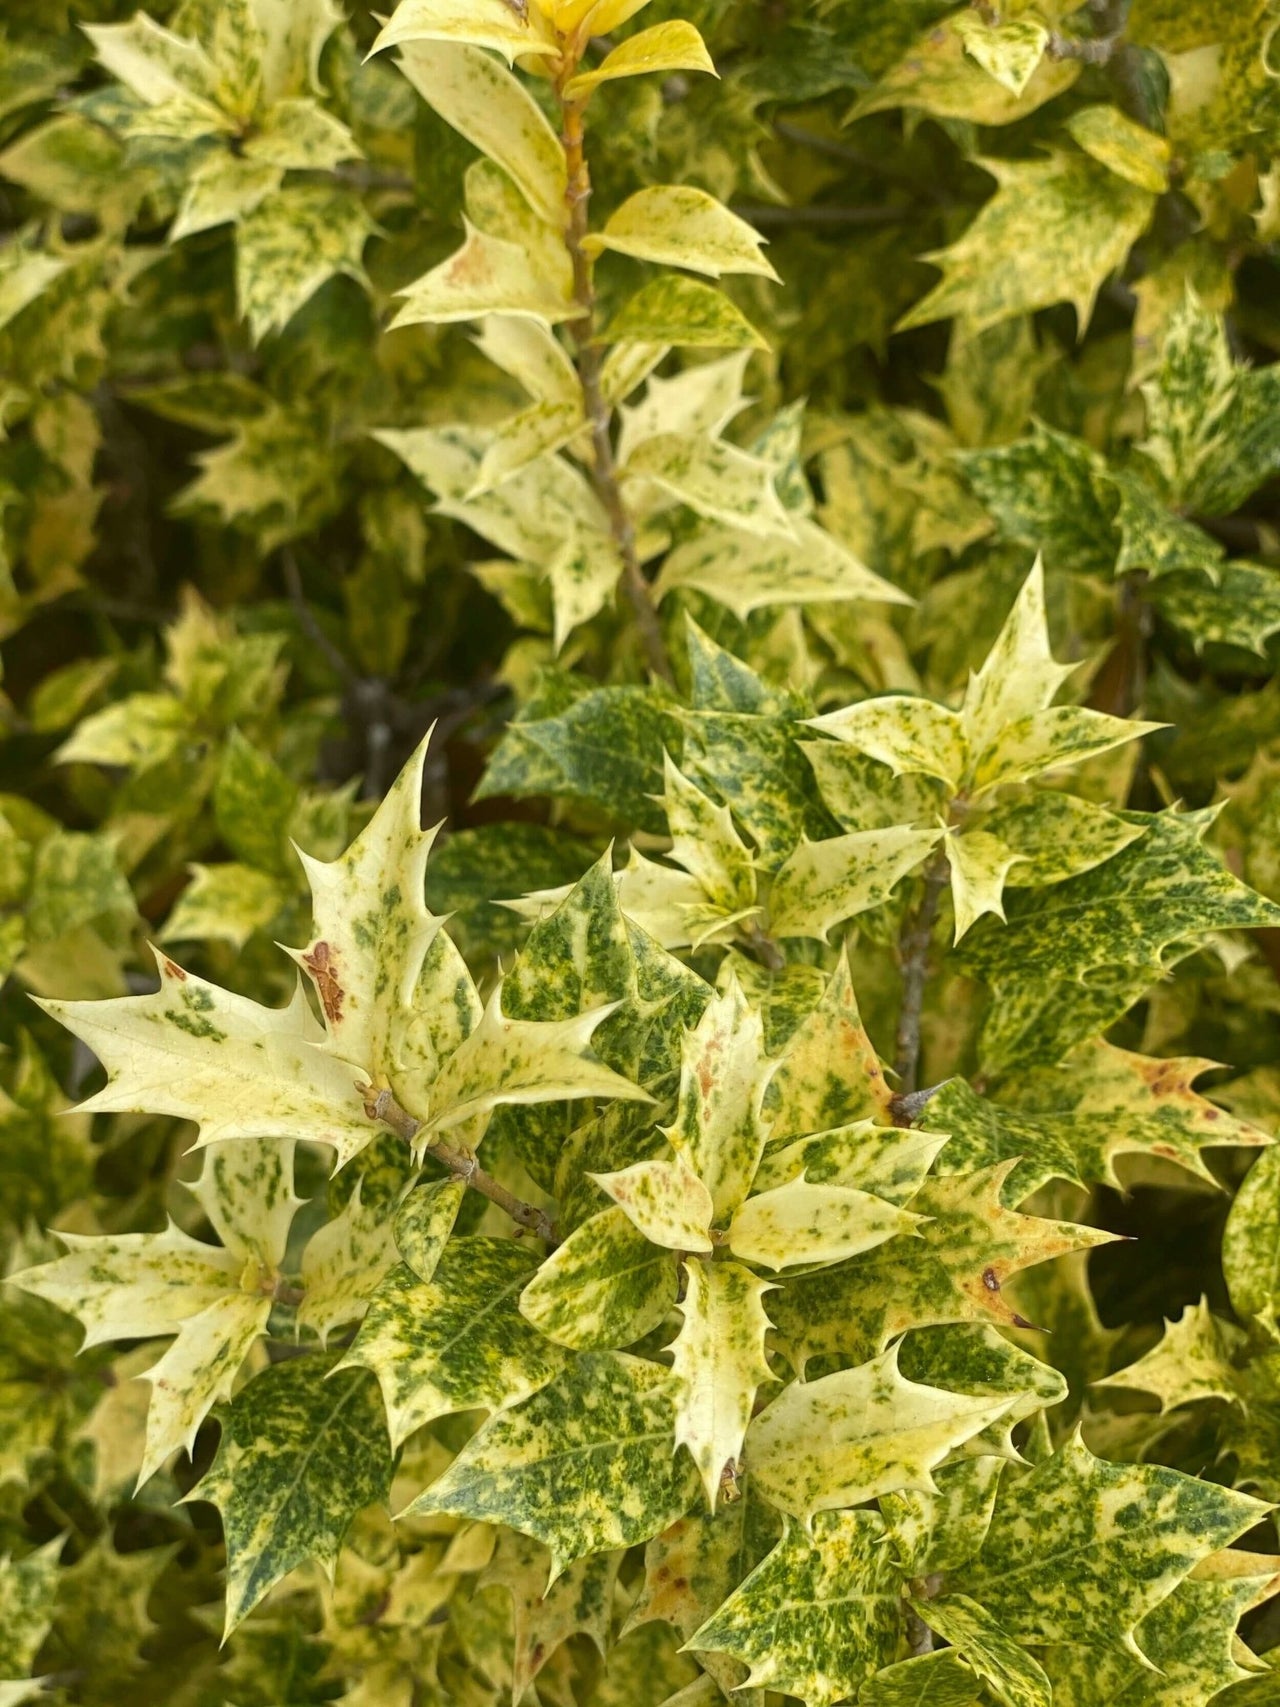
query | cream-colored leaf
(488,275)
(155,64)
(715,479)
(718,1361)
(745,573)
(1124,146)
(495,112)
(674,46)
(825,882)
(1191,1362)
(705,842)
(584,574)
(1008,51)
(822,1445)
(1019,675)
(801,1222)
(979,863)
(246,1190)
(718,1128)
(912,736)
(1047,740)
(532,354)
(829,1074)
(664,1201)
(677,225)
(523,438)
(343,1264)
(197,1372)
(523,1061)
(221,188)
(513,32)
(890,1161)
(372,931)
(701,399)
(196,1052)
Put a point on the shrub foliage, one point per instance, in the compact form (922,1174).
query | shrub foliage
(748,1200)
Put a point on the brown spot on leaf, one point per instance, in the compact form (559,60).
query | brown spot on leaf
(319,963)
(991,1280)
(173,970)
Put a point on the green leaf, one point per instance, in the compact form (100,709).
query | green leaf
(457,1342)
(672,309)
(1251,1243)
(605,1286)
(847,1437)
(27,1590)
(980,864)
(224,903)
(1124,1537)
(718,1359)
(289,245)
(1125,917)
(820,1616)
(578,1603)
(939,1679)
(1052,232)
(253,801)
(488,275)
(962,68)
(344,1263)
(1049,491)
(1057,836)
(1243,609)
(1014,1676)
(829,1075)
(705,842)
(584,1466)
(679,226)
(673,46)
(329,1459)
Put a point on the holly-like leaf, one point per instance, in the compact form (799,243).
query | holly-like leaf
(1191,1362)
(847,1437)
(1014,1676)
(829,1075)
(579,1602)
(665,1202)
(1251,1244)
(980,865)
(329,1459)
(937,1679)
(673,46)
(824,883)
(289,245)
(746,572)
(584,1466)
(804,1222)
(423,1223)
(718,1360)
(488,275)
(1124,1537)
(606,1285)
(457,1342)
(719,1129)
(27,1590)
(481,23)
(343,1264)
(677,225)
(495,112)
(819,1616)
(886,1160)
(215,1298)
(1067,220)
(239,1070)
(954,1270)
(672,309)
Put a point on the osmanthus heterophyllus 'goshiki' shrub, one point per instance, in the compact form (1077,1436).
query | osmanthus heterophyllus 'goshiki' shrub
(556,1198)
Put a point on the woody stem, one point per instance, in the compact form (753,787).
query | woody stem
(588,361)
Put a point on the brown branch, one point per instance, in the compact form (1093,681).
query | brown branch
(463,1165)
(599,413)
(913,952)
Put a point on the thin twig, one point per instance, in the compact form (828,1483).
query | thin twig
(1090,52)
(913,951)
(463,1165)
(604,468)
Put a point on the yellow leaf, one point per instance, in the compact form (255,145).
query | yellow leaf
(675,46)
(718,1361)
(677,225)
